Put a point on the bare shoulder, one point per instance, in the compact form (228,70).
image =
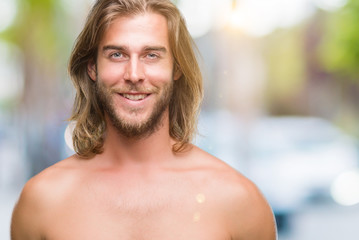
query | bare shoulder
(39,195)
(246,213)
(49,184)
(249,214)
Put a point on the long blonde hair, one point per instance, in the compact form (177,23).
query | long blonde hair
(88,134)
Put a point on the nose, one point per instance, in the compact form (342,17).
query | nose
(134,71)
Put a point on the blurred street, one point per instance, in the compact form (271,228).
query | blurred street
(324,221)
(7,202)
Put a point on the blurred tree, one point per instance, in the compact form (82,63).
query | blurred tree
(286,70)
(39,33)
(339,56)
(339,51)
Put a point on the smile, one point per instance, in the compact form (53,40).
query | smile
(134,97)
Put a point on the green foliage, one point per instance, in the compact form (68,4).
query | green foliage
(35,29)
(339,51)
(286,66)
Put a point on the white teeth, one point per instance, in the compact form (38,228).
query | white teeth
(135,97)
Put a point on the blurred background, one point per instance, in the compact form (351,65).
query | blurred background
(281,100)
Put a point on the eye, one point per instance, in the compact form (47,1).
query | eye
(116,55)
(152,56)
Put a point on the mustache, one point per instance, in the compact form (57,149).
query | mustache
(134,88)
(126,88)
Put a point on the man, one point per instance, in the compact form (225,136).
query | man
(135,175)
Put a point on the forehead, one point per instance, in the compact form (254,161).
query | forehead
(135,30)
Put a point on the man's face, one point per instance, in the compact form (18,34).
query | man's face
(134,73)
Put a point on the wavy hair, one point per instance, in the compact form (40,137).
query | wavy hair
(89,131)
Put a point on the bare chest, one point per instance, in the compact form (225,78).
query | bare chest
(137,211)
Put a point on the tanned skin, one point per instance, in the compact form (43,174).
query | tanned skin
(138,188)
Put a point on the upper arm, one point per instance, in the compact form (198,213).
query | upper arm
(251,217)
(26,217)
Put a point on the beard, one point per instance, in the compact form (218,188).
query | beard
(128,128)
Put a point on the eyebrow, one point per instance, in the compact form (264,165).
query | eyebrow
(113,47)
(156,48)
(146,48)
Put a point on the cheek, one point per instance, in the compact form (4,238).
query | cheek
(160,75)
(110,74)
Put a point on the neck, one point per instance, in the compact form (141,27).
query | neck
(153,149)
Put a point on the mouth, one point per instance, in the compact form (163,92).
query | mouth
(134,97)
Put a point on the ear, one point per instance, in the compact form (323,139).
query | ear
(91,70)
(177,73)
